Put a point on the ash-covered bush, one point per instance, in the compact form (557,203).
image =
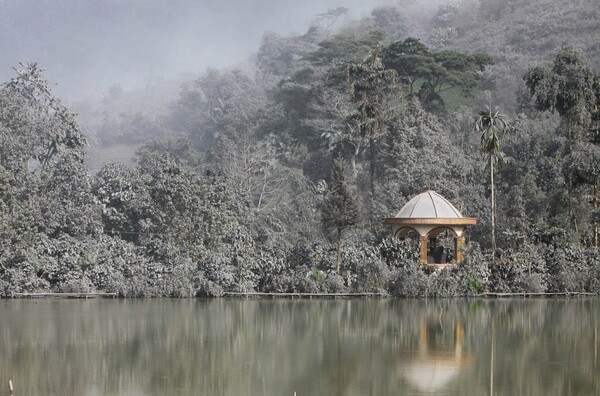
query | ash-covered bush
(372,276)
(334,283)
(406,277)
(21,278)
(448,282)
(309,268)
(231,274)
(519,271)
(272,267)
(593,261)
(364,270)
(176,278)
(68,262)
(399,253)
(119,268)
(476,268)
(305,280)
(570,268)
(409,281)
(312,256)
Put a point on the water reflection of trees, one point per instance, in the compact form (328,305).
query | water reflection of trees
(277,347)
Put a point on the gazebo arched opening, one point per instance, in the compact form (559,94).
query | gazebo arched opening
(433,218)
(441,246)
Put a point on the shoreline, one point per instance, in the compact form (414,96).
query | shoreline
(265,295)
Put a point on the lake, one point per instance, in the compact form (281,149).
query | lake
(310,347)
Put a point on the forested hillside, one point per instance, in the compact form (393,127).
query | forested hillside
(276,177)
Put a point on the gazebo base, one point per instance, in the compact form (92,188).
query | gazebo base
(436,267)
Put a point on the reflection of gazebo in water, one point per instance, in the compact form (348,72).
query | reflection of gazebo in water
(439,360)
(429,214)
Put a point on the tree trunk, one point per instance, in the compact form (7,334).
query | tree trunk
(353,161)
(570,198)
(493,209)
(372,179)
(338,246)
(570,142)
(596,205)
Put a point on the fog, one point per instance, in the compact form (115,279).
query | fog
(88,45)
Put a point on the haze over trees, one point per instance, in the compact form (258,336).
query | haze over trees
(239,183)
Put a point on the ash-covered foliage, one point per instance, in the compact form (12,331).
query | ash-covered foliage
(237,194)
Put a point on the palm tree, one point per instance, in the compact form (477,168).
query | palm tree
(491,124)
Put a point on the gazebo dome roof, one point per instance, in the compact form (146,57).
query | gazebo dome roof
(429,208)
(428,205)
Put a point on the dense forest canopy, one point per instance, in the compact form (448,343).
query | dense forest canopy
(276,177)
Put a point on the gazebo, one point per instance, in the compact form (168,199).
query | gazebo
(429,214)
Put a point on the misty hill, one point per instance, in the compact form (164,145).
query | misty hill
(517,34)
(120,121)
(535,28)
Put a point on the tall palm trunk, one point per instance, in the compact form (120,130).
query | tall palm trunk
(493,208)
(491,124)
(596,205)
(337,248)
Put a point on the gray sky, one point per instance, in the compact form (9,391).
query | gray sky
(87,45)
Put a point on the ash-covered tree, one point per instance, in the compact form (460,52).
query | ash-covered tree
(342,49)
(418,154)
(282,56)
(438,72)
(281,197)
(218,103)
(595,139)
(326,21)
(570,88)
(47,199)
(408,58)
(341,205)
(35,126)
(567,88)
(390,21)
(370,87)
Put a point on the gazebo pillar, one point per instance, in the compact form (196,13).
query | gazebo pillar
(423,240)
(459,242)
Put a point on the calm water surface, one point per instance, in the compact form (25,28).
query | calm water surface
(311,347)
